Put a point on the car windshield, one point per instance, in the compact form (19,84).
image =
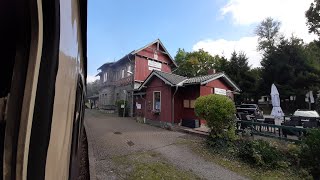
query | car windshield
(306,113)
(247,106)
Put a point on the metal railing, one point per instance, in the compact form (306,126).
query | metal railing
(288,133)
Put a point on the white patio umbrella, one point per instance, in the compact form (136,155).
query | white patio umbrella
(276,110)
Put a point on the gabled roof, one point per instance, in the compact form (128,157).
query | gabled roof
(168,78)
(153,42)
(173,79)
(127,56)
(105,65)
(176,80)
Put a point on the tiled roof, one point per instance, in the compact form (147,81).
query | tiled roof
(106,64)
(174,79)
(171,78)
(200,79)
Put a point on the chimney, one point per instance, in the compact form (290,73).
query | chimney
(211,71)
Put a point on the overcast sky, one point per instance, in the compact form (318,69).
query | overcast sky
(116,27)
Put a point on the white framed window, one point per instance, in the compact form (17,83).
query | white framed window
(105,77)
(122,73)
(129,68)
(156,100)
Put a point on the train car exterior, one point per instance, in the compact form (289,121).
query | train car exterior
(44,98)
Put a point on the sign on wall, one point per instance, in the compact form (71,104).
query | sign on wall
(138,106)
(220,91)
(153,68)
(154,64)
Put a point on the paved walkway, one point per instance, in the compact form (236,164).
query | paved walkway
(110,136)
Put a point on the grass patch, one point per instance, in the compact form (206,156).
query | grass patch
(149,165)
(236,165)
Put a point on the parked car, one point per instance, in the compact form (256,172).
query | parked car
(306,114)
(252,109)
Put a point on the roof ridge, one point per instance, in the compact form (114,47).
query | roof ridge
(170,73)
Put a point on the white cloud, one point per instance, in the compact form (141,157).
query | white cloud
(223,47)
(291,14)
(91,78)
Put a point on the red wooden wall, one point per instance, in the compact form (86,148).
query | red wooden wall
(191,92)
(141,63)
(218,83)
(158,85)
(185,93)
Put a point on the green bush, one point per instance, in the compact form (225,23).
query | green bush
(218,111)
(310,153)
(292,152)
(260,153)
(120,110)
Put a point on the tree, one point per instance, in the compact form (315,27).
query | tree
(222,64)
(239,71)
(93,88)
(268,34)
(290,67)
(313,17)
(195,63)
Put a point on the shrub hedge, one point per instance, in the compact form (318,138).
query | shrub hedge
(218,111)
